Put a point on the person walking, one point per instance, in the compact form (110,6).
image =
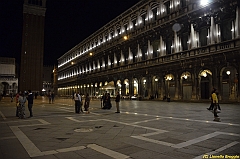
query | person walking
(215,103)
(117,100)
(214,90)
(17,103)
(22,100)
(78,100)
(30,102)
(86,104)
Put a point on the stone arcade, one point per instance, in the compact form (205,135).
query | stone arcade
(160,48)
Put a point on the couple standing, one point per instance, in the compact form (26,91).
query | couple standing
(78,103)
(21,99)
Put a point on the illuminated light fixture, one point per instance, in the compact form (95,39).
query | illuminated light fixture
(125,37)
(228,72)
(185,76)
(144,81)
(156,79)
(204,2)
(169,78)
(204,74)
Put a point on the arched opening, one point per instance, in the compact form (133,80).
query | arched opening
(119,87)
(229,83)
(206,77)
(126,82)
(170,85)
(186,80)
(109,87)
(144,87)
(6,88)
(135,86)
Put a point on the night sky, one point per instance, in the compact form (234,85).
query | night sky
(67,23)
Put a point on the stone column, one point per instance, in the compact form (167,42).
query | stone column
(140,89)
(163,88)
(177,85)
(123,89)
(150,85)
(220,87)
(131,85)
(214,79)
(195,85)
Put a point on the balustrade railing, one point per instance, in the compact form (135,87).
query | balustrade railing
(161,60)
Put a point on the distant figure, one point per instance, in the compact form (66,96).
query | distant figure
(30,102)
(104,99)
(17,102)
(117,100)
(49,96)
(52,97)
(11,95)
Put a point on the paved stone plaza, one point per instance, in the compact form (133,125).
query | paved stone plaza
(143,130)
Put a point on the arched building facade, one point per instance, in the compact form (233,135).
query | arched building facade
(175,48)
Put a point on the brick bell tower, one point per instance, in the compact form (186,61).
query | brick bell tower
(31,66)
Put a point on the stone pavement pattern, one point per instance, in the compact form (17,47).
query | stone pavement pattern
(143,130)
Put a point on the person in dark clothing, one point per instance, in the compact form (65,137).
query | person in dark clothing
(108,104)
(104,99)
(52,96)
(117,100)
(30,102)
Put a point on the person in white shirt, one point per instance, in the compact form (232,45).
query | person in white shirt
(78,101)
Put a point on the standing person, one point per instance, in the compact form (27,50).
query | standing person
(104,98)
(108,104)
(86,104)
(78,100)
(215,103)
(52,96)
(49,96)
(30,102)
(22,100)
(117,100)
(17,103)
(11,95)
